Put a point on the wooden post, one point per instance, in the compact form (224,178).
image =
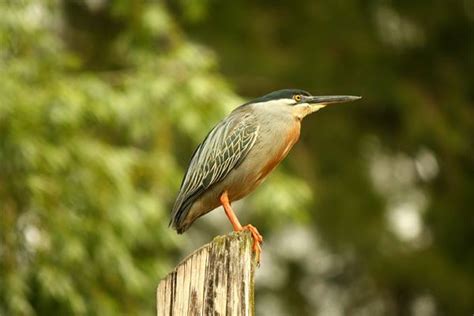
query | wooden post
(217,279)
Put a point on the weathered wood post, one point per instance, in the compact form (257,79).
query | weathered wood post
(217,279)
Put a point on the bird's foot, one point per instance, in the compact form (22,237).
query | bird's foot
(257,240)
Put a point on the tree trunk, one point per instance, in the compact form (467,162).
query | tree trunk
(217,279)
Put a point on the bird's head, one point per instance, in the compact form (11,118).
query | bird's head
(298,102)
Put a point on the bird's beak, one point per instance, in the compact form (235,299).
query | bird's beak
(318,102)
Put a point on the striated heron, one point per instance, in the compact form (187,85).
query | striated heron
(240,151)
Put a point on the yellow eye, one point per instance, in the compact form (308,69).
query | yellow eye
(297,97)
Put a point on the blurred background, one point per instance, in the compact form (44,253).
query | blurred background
(102,103)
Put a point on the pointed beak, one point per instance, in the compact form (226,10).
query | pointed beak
(318,102)
(330,99)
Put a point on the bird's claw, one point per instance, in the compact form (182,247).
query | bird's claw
(257,240)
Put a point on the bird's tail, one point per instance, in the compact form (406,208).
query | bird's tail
(179,215)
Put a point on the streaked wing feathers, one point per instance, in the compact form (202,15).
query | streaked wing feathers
(224,149)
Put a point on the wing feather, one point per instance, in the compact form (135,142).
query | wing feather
(222,150)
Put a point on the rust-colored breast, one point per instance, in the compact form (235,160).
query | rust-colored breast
(281,152)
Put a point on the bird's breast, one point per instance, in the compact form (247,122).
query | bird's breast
(281,147)
(270,149)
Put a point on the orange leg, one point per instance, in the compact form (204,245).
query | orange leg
(257,238)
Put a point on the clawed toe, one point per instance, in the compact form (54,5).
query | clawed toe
(254,231)
(257,240)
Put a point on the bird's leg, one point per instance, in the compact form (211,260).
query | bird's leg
(229,212)
(257,238)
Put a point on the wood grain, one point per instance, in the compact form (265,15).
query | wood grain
(217,279)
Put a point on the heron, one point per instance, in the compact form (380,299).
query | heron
(239,153)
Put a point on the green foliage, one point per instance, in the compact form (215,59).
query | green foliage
(90,126)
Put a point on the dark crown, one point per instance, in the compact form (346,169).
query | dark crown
(281,94)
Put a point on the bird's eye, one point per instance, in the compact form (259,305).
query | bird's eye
(297,97)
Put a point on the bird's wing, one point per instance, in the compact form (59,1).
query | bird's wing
(223,149)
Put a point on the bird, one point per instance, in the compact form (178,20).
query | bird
(240,152)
